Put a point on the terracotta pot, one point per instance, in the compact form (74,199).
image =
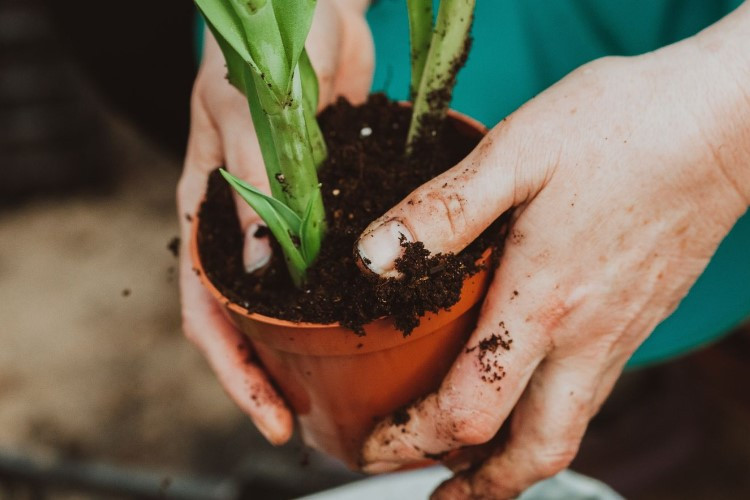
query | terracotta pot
(338,383)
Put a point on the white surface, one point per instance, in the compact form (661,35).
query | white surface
(418,484)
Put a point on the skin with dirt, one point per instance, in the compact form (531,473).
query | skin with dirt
(365,174)
(491,370)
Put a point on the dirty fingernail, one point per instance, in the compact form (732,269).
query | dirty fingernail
(380,247)
(257,250)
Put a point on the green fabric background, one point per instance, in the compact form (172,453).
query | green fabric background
(523,46)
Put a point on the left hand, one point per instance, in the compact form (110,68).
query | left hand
(222,133)
(627,174)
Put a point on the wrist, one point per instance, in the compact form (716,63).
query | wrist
(721,55)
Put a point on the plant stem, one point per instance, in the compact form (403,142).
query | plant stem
(298,176)
(420,34)
(446,56)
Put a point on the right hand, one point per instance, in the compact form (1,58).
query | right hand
(221,133)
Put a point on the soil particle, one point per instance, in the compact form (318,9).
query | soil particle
(174,246)
(438,457)
(370,177)
(261,232)
(490,368)
(516,236)
(401,416)
(304,459)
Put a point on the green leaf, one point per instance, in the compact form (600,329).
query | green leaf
(294,20)
(226,25)
(255,197)
(281,221)
(264,43)
(243,77)
(310,92)
(420,35)
(310,88)
(309,235)
(265,137)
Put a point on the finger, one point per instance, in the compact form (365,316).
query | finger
(229,355)
(205,325)
(546,430)
(479,391)
(451,210)
(356,60)
(341,51)
(203,321)
(203,155)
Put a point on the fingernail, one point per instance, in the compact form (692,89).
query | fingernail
(380,467)
(380,247)
(257,251)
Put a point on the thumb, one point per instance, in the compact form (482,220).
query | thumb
(451,210)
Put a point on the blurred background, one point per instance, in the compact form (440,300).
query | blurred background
(101,397)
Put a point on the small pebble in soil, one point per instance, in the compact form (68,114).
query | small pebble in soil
(336,192)
(365,132)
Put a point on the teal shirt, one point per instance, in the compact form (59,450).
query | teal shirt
(522,47)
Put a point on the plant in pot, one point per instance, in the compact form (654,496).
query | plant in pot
(345,347)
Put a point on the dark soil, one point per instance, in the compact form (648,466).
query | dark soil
(174,246)
(401,416)
(364,175)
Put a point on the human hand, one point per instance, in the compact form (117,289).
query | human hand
(222,133)
(626,175)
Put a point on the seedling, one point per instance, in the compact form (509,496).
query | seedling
(263,44)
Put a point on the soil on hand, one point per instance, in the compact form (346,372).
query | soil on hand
(365,174)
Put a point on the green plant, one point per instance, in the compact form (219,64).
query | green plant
(263,44)
(437,54)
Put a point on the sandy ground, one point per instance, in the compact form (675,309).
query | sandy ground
(92,361)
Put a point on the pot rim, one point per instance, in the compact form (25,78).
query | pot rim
(238,309)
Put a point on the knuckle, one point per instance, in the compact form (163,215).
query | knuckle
(473,433)
(553,460)
(468,428)
(197,96)
(449,206)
